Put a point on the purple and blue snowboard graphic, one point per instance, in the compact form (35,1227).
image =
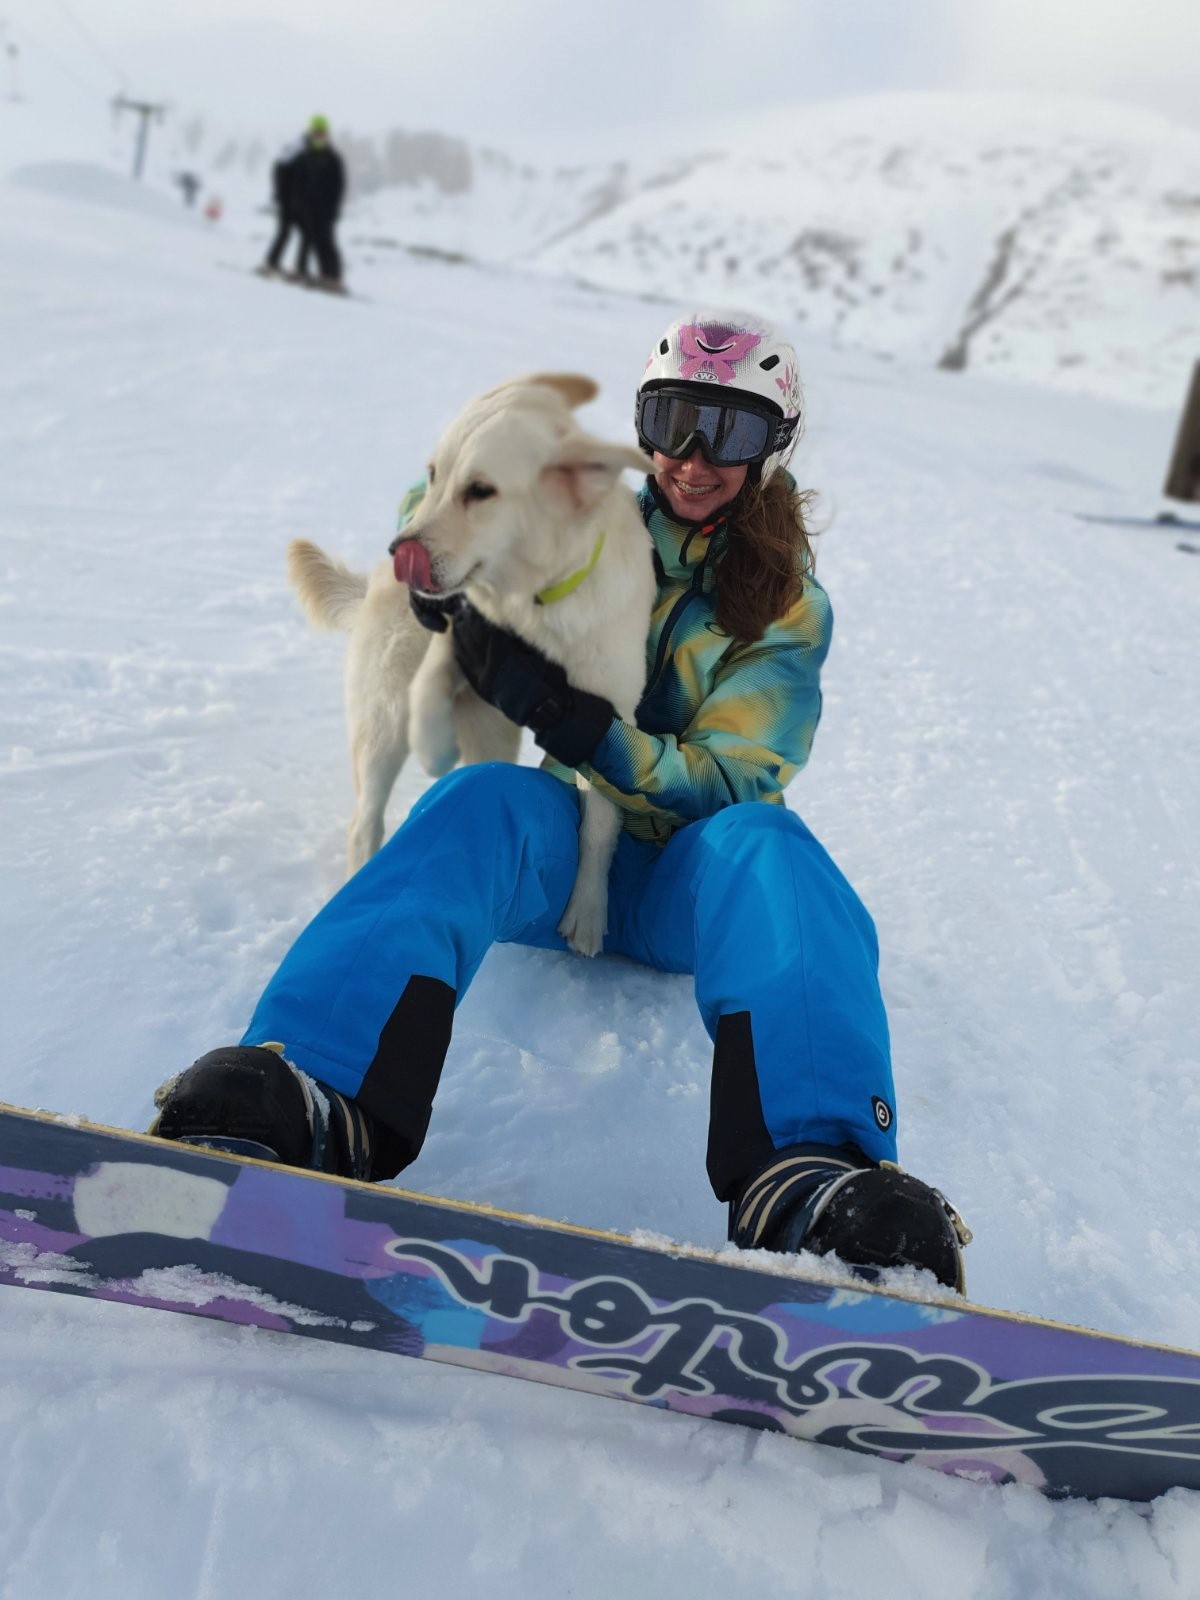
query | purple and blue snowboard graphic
(980,1394)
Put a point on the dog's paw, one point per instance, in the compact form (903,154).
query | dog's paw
(435,748)
(584,925)
(438,763)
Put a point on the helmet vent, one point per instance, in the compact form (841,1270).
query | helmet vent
(771,361)
(664,347)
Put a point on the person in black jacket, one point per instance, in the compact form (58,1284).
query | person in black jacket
(284,193)
(309,182)
(320,180)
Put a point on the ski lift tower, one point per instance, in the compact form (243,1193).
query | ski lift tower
(145,110)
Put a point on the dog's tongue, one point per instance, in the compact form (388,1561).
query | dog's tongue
(411,566)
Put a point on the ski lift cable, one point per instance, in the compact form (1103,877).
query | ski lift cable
(93,43)
(18,31)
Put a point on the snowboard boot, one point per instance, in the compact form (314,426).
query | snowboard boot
(249,1100)
(814,1197)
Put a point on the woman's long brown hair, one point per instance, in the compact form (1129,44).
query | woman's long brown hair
(768,555)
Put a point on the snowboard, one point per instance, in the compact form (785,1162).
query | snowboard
(1166,520)
(294,283)
(784,1344)
(1163,519)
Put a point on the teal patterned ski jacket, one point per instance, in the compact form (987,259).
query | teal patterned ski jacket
(721,721)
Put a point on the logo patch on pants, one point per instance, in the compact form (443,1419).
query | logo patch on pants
(884,1115)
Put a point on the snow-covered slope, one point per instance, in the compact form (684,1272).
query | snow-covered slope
(1048,241)
(1057,242)
(1043,240)
(1008,769)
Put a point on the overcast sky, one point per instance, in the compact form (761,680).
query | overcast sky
(515,68)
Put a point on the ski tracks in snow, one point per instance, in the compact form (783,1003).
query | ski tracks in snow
(1007,774)
(1005,771)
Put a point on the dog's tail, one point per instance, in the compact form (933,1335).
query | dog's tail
(329,592)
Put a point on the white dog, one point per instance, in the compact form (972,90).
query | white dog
(526,516)
(386,647)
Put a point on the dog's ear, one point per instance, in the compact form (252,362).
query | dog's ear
(589,467)
(575,389)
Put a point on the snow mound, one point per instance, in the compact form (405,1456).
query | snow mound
(96,185)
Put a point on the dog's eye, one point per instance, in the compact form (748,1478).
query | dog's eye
(478,491)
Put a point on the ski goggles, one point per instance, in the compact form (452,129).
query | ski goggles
(727,432)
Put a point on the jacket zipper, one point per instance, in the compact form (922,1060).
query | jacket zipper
(677,610)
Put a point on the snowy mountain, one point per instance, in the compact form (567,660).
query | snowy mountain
(1008,770)
(1046,241)
(1050,242)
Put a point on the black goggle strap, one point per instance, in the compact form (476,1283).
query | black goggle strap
(785,427)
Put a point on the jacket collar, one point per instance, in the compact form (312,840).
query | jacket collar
(681,546)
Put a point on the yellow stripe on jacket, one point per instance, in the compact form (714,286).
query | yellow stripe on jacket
(721,721)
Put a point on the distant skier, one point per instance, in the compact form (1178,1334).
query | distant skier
(713,874)
(288,216)
(309,183)
(320,190)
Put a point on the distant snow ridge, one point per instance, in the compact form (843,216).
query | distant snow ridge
(97,185)
(1054,242)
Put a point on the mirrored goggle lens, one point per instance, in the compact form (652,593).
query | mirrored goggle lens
(727,435)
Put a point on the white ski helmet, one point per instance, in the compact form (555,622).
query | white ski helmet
(729,359)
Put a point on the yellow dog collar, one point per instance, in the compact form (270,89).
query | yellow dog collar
(559,591)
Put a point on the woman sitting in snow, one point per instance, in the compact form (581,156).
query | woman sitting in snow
(713,875)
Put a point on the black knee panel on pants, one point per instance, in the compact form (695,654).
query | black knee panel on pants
(738,1140)
(402,1079)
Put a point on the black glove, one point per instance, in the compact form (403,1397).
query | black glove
(529,689)
(433,611)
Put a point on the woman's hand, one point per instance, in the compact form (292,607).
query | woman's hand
(432,611)
(529,688)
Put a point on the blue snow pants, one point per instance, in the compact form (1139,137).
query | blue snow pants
(783,953)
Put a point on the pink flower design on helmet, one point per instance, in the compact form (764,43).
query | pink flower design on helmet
(710,353)
(790,389)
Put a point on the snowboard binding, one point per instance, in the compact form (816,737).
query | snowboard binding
(836,1202)
(250,1101)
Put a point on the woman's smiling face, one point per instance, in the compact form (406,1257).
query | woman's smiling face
(694,490)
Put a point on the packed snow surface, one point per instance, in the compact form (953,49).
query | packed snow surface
(1008,770)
